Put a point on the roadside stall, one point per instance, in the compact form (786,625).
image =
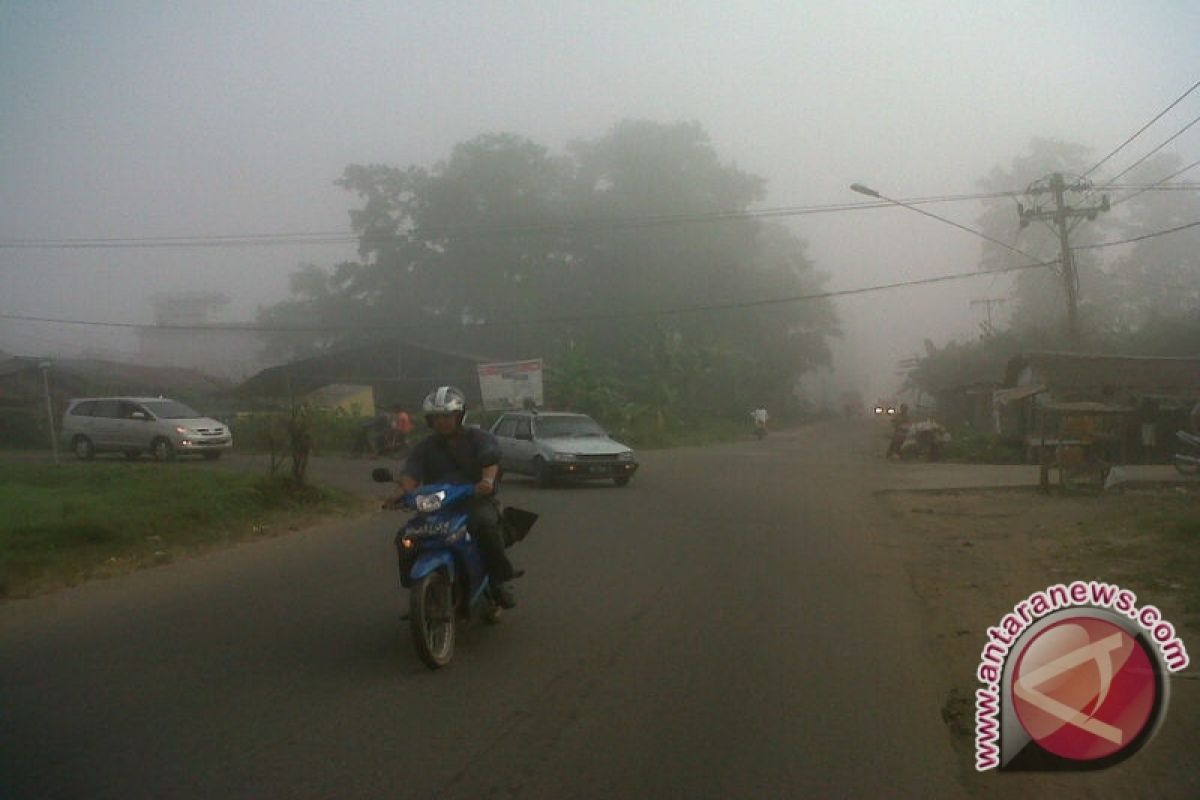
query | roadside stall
(1080,441)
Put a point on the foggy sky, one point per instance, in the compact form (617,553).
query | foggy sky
(140,119)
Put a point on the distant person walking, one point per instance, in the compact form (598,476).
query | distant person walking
(759,415)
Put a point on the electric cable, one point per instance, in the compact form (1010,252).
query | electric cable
(1141,130)
(617,315)
(1161,145)
(1141,238)
(341,237)
(1156,185)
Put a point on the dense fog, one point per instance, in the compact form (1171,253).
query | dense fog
(171,127)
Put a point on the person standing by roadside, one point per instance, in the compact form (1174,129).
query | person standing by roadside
(899,431)
(402,426)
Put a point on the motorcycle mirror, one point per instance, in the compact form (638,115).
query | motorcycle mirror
(382,475)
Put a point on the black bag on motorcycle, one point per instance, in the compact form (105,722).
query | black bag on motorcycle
(515,524)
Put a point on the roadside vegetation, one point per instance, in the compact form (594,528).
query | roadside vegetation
(972,446)
(63,525)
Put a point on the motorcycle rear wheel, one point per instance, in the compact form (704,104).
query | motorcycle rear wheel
(431,619)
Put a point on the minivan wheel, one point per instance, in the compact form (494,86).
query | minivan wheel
(84,450)
(162,449)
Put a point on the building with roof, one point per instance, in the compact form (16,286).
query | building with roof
(1136,402)
(399,373)
(351,399)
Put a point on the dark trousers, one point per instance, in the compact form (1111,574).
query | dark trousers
(483,523)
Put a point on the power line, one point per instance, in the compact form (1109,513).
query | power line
(1139,282)
(340,237)
(1161,145)
(1141,130)
(249,327)
(1157,185)
(1141,238)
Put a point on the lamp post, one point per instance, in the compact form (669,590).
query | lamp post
(869,192)
(45,367)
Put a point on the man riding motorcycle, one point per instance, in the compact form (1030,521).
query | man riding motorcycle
(453,453)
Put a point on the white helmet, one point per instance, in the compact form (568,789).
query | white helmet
(445,400)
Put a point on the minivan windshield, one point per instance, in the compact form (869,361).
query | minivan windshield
(170,409)
(552,427)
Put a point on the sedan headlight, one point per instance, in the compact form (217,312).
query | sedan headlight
(426,503)
(626,456)
(563,456)
(182,430)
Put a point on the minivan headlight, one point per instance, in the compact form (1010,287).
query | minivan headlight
(626,456)
(564,456)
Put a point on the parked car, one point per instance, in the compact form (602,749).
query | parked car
(136,425)
(556,445)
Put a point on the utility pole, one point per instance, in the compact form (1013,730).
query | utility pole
(1061,214)
(988,302)
(45,366)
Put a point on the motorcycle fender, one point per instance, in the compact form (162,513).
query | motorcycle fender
(432,562)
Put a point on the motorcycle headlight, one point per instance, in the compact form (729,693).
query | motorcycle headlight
(426,503)
(564,456)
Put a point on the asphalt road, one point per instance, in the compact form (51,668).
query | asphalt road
(732,624)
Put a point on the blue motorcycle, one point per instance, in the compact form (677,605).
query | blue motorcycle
(442,567)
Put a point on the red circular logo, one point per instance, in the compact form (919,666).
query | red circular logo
(1084,688)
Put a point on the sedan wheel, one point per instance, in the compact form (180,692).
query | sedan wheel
(541,474)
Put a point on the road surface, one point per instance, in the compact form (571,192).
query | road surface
(732,624)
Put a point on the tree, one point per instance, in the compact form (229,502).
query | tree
(1158,278)
(553,255)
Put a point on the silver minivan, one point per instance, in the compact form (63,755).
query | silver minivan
(136,425)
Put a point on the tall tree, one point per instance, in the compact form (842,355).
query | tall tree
(602,250)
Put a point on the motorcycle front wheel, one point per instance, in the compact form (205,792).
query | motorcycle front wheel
(431,619)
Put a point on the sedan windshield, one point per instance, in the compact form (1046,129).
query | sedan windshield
(553,427)
(169,409)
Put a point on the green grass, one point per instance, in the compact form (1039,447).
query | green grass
(62,525)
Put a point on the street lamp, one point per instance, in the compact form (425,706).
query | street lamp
(869,192)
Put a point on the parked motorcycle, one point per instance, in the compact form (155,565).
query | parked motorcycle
(442,568)
(1188,461)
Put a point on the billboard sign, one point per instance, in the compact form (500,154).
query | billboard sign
(511,384)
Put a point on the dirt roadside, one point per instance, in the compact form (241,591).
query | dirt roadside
(973,554)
